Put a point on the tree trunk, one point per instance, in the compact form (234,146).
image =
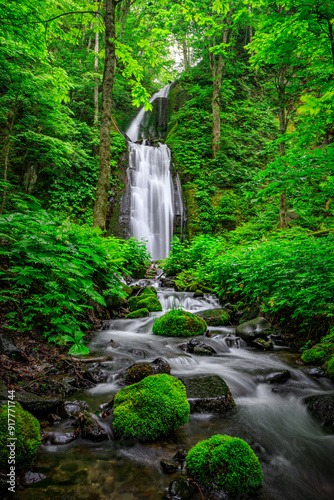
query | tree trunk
(97,81)
(283,123)
(6,162)
(103,183)
(185,53)
(217,83)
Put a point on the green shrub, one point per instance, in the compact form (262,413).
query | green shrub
(139,313)
(27,433)
(225,462)
(329,368)
(151,408)
(313,356)
(178,323)
(138,372)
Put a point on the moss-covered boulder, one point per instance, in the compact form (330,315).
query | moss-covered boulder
(151,408)
(27,433)
(139,313)
(178,323)
(148,301)
(329,368)
(138,372)
(225,462)
(215,317)
(313,356)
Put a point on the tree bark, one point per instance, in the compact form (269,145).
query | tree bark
(103,184)
(185,53)
(97,81)
(6,162)
(283,123)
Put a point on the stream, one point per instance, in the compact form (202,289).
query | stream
(296,455)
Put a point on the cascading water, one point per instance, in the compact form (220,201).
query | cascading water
(151,189)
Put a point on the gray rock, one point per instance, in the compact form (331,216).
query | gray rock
(168,467)
(208,393)
(278,377)
(95,374)
(38,405)
(215,317)
(33,477)
(250,330)
(321,409)
(7,346)
(181,489)
(65,438)
(167,283)
(160,365)
(72,409)
(91,427)
(195,346)
(263,345)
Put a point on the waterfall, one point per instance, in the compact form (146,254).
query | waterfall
(152,193)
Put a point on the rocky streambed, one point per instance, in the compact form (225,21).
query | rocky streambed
(283,410)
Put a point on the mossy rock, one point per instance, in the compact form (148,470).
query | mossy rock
(149,291)
(138,372)
(178,323)
(329,368)
(149,302)
(27,433)
(139,313)
(151,408)
(215,317)
(315,355)
(225,462)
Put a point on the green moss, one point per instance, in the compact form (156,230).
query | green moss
(139,313)
(215,317)
(225,462)
(138,372)
(27,434)
(148,301)
(314,355)
(178,323)
(329,368)
(151,408)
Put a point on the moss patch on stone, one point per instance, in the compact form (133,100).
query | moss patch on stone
(151,408)
(148,301)
(329,368)
(227,463)
(315,355)
(215,317)
(178,323)
(138,372)
(27,433)
(139,313)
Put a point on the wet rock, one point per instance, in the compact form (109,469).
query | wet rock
(33,477)
(183,347)
(181,455)
(181,489)
(7,347)
(321,409)
(168,283)
(91,428)
(160,365)
(215,317)
(37,405)
(195,346)
(95,374)
(263,345)
(53,418)
(67,437)
(168,467)
(250,330)
(232,341)
(198,294)
(208,393)
(72,409)
(316,372)
(278,377)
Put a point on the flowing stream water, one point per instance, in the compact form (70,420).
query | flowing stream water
(295,453)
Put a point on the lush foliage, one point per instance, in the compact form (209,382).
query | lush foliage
(225,462)
(322,353)
(151,408)
(56,271)
(179,323)
(27,433)
(138,313)
(148,301)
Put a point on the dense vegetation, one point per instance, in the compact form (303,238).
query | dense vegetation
(251,134)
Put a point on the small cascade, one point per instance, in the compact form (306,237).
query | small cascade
(154,200)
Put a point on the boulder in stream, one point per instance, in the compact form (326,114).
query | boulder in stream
(250,330)
(321,409)
(197,347)
(181,489)
(215,317)
(147,301)
(208,394)
(263,344)
(179,323)
(278,377)
(91,427)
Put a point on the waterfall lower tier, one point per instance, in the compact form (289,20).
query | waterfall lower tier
(152,197)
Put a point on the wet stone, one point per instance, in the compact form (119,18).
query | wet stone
(263,345)
(33,477)
(181,489)
(278,377)
(91,427)
(168,467)
(208,393)
(67,437)
(214,317)
(8,347)
(258,327)
(321,409)
(95,375)
(180,455)
(38,405)
(72,409)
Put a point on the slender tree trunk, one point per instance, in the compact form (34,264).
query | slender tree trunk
(103,184)
(283,123)
(331,34)
(97,81)
(250,29)
(185,53)
(6,162)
